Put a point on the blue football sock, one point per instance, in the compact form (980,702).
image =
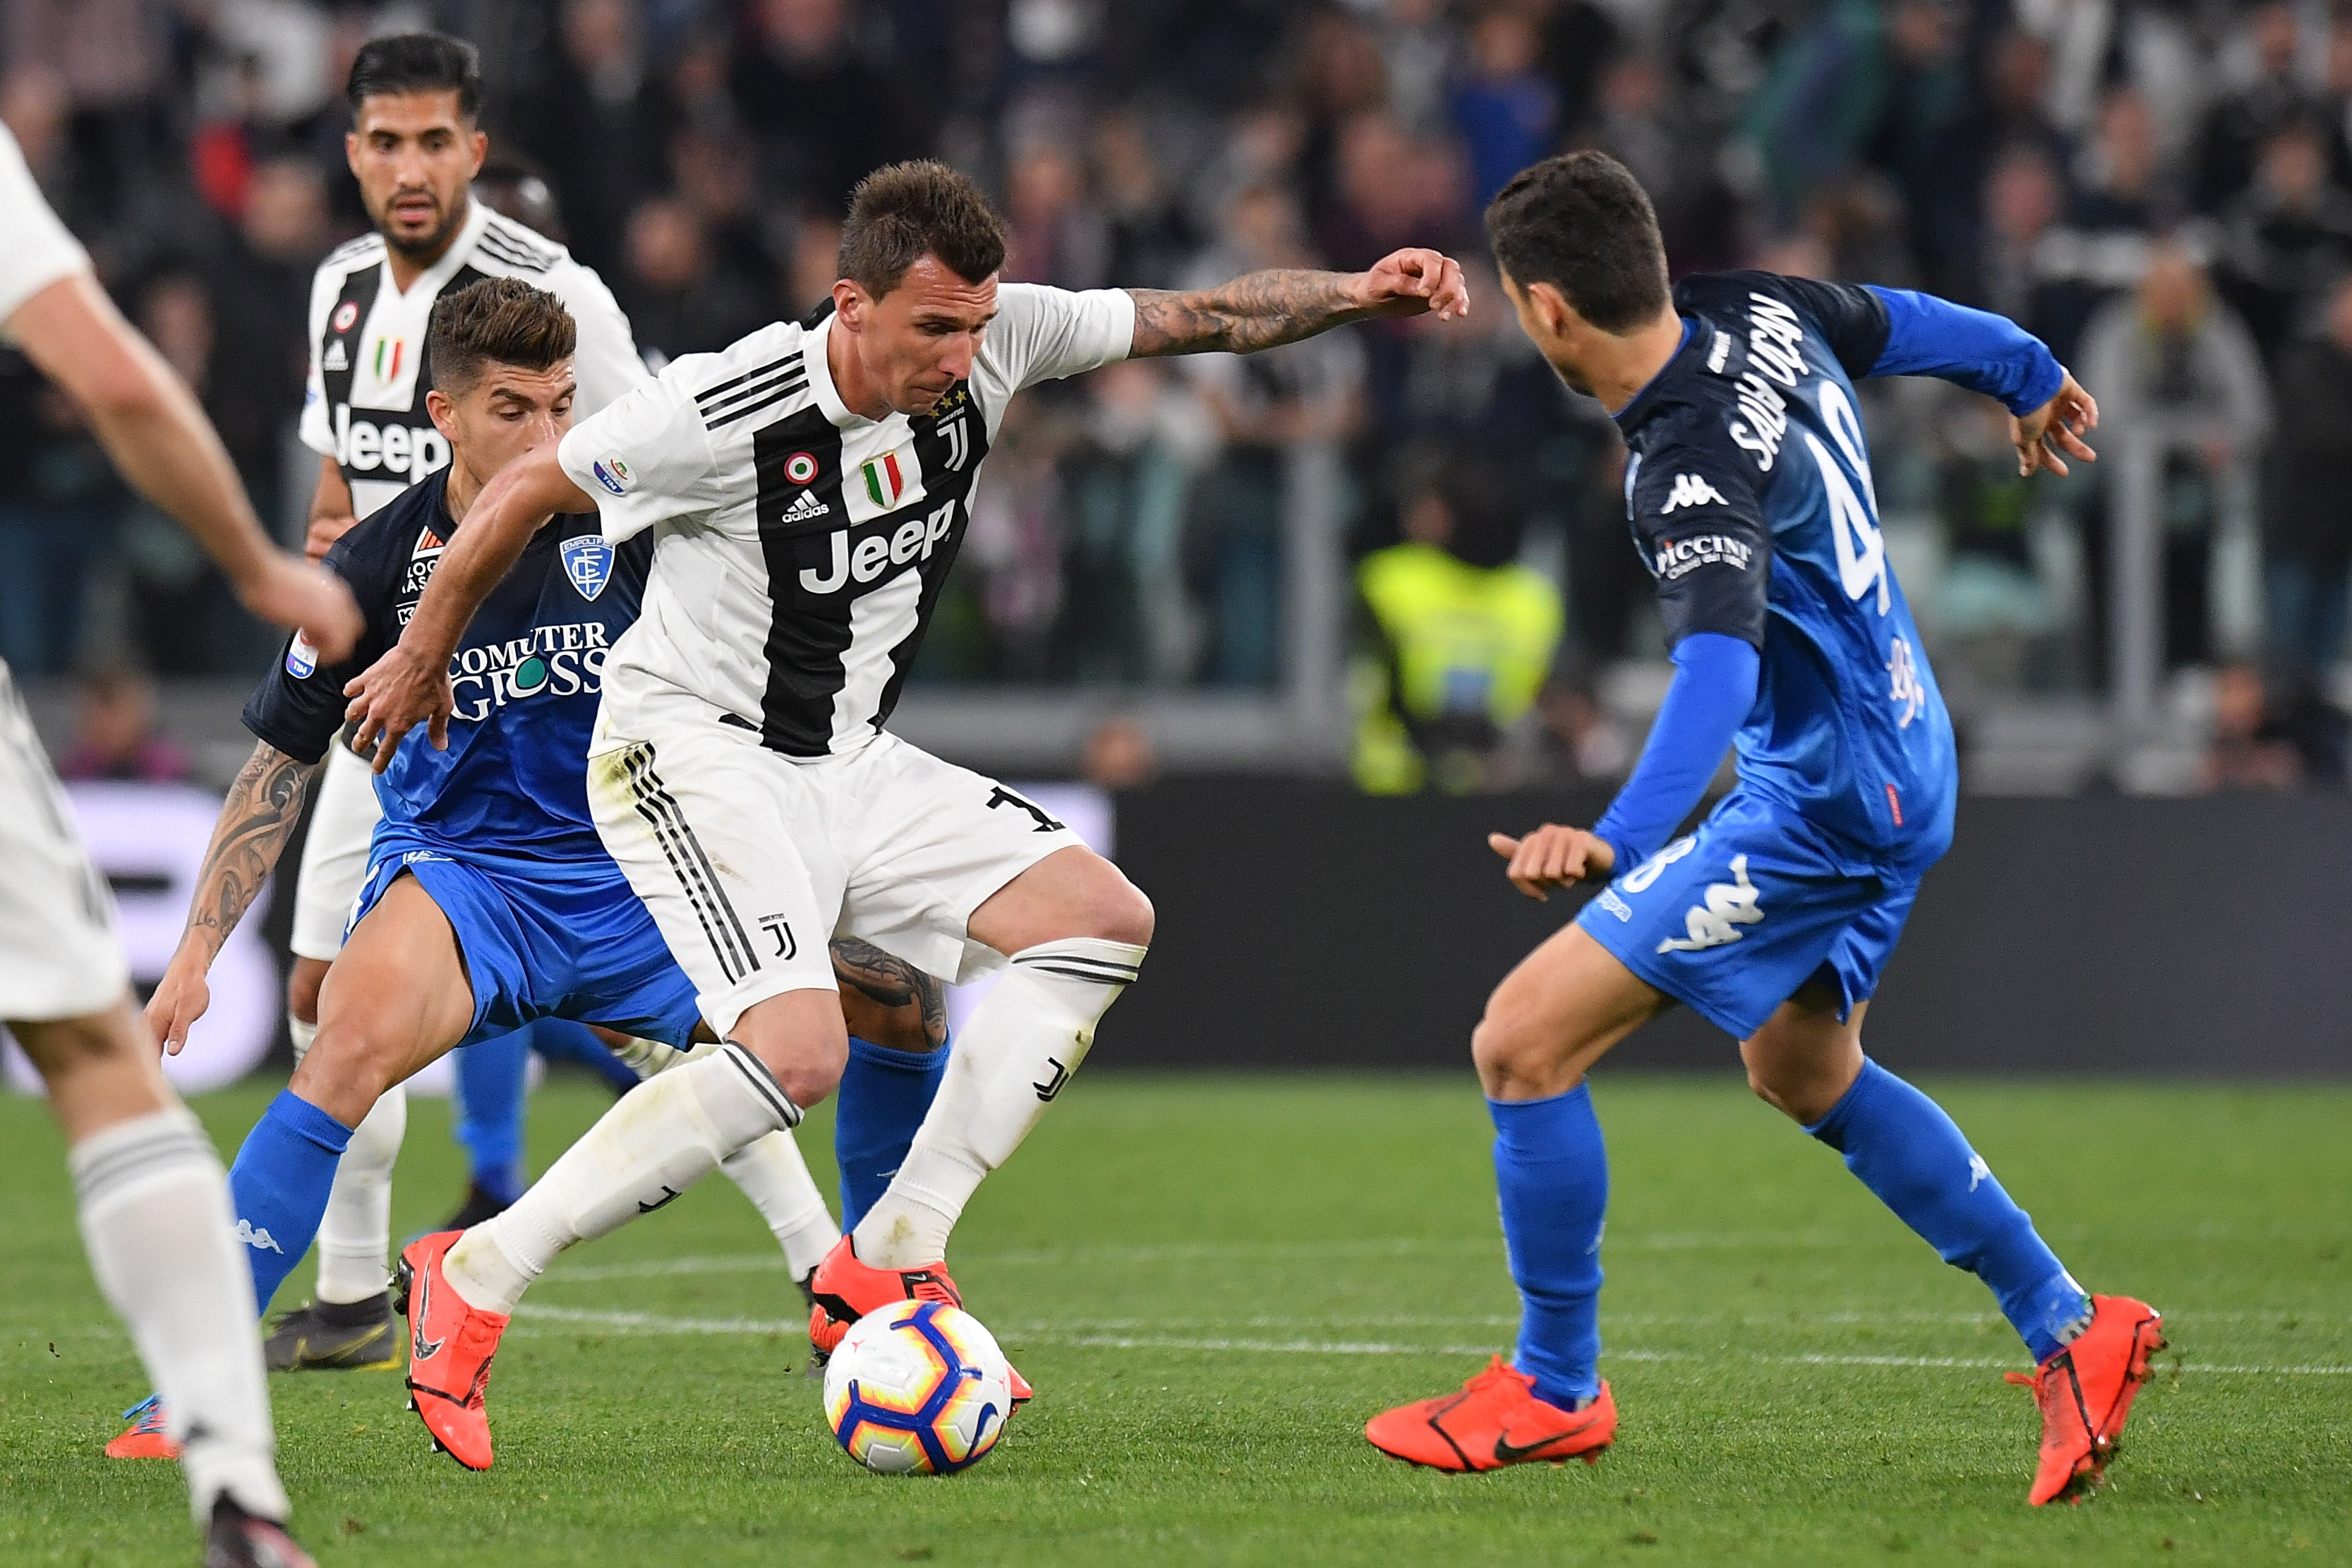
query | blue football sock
(489,1112)
(279,1186)
(1551,1168)
(1912,1155)
(884,1093)
(561,1040)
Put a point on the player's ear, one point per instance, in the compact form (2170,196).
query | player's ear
(351,151)
(445,415)
(849,302)
(481,151)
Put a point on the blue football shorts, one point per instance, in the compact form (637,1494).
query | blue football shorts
(1735,919)
(541,940)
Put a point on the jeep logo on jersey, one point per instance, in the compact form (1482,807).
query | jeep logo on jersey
(1678,558)
(561,660)
(588,561)
(914,539)
(362,446)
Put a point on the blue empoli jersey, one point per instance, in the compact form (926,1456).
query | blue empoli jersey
(1749,488)
(527,678)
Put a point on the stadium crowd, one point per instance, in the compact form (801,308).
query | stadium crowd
(2162,189)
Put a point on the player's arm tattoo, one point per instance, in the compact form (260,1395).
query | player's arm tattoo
(892,982)
(1255,310)
(260,811)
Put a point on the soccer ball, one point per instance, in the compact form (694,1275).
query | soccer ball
(918,1388)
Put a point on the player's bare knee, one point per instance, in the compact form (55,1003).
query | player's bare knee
(1112,909)
(1507,1050)
(345,1072)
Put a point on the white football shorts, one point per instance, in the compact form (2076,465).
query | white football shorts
(335,855)
(751,862)
(60,956)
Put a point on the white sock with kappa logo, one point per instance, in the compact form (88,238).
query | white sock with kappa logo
(664,1136)
(156,1218)
(1024,1040)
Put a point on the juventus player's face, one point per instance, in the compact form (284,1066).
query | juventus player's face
(907,348)
(414,155)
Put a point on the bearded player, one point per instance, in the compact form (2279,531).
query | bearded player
(1749,488)
(811,486)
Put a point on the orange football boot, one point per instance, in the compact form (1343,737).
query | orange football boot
(1496,1420)
(450,1345)
(843,1290)
(2085,1390)
(146,1438)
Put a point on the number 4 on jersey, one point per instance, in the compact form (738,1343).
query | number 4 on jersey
(1861,549)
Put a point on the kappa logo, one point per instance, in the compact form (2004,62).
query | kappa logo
(1713,923)
(336,359)
(257,1238)
(1979,1171)
(806,508)
(588,561)
(1690,489)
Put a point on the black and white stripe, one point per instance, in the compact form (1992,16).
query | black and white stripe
(740,397)
(1071,966)
(720,926)
(170,1148)
(353,249)
(505,243)
(763,1082)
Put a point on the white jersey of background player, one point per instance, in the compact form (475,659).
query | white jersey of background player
(154,1212)
(415,149)
(810,487)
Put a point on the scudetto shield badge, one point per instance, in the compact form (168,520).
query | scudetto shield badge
(588,561)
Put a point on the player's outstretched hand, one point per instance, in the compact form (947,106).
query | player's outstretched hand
(293,593)
(1411,282)
(392,697)
(2046,438)
(1553,857)
(179,1001)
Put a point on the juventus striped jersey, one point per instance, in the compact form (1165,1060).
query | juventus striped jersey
(368,374)
(801,548)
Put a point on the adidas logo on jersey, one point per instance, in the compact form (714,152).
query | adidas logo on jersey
(805,507)
(336,358)
(1691,491)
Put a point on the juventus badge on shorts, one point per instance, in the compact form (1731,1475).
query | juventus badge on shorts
(588,561)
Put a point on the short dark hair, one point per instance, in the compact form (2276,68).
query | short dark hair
(497,320)
(1582,223)
(902,212)
(416,62)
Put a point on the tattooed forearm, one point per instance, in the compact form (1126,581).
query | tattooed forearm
(260,811)
(1255,310)
(892,982)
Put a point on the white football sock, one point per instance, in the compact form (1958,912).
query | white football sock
(664,1136)
(1024,1040)
(355,1234)
(155,1219)
(776,1179)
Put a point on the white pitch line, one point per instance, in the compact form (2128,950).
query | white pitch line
(656,1323)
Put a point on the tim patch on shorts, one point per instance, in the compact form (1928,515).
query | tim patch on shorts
(1733,919)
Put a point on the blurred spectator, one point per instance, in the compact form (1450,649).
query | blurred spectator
(1144,226)
(1119,755)
(2287,237)
(56,516)
(676,299)
(258,289)
(1055,235)
(1266,405)
(1581,40)
(115,735)
(2173,364)
(1581,744)
(1991,611)
(2249,750)
(515,186)
(2004,122)
(824,116)
(816,262)
(2236,127)
(714,174)
(1507,111)
(594,127)
(2022,202)
(1458,642)
(1421,56)
(2308,537)
(2121,205)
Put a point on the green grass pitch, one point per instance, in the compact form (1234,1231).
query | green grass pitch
(1213,1281)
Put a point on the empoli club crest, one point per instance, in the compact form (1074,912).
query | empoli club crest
(588,561)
